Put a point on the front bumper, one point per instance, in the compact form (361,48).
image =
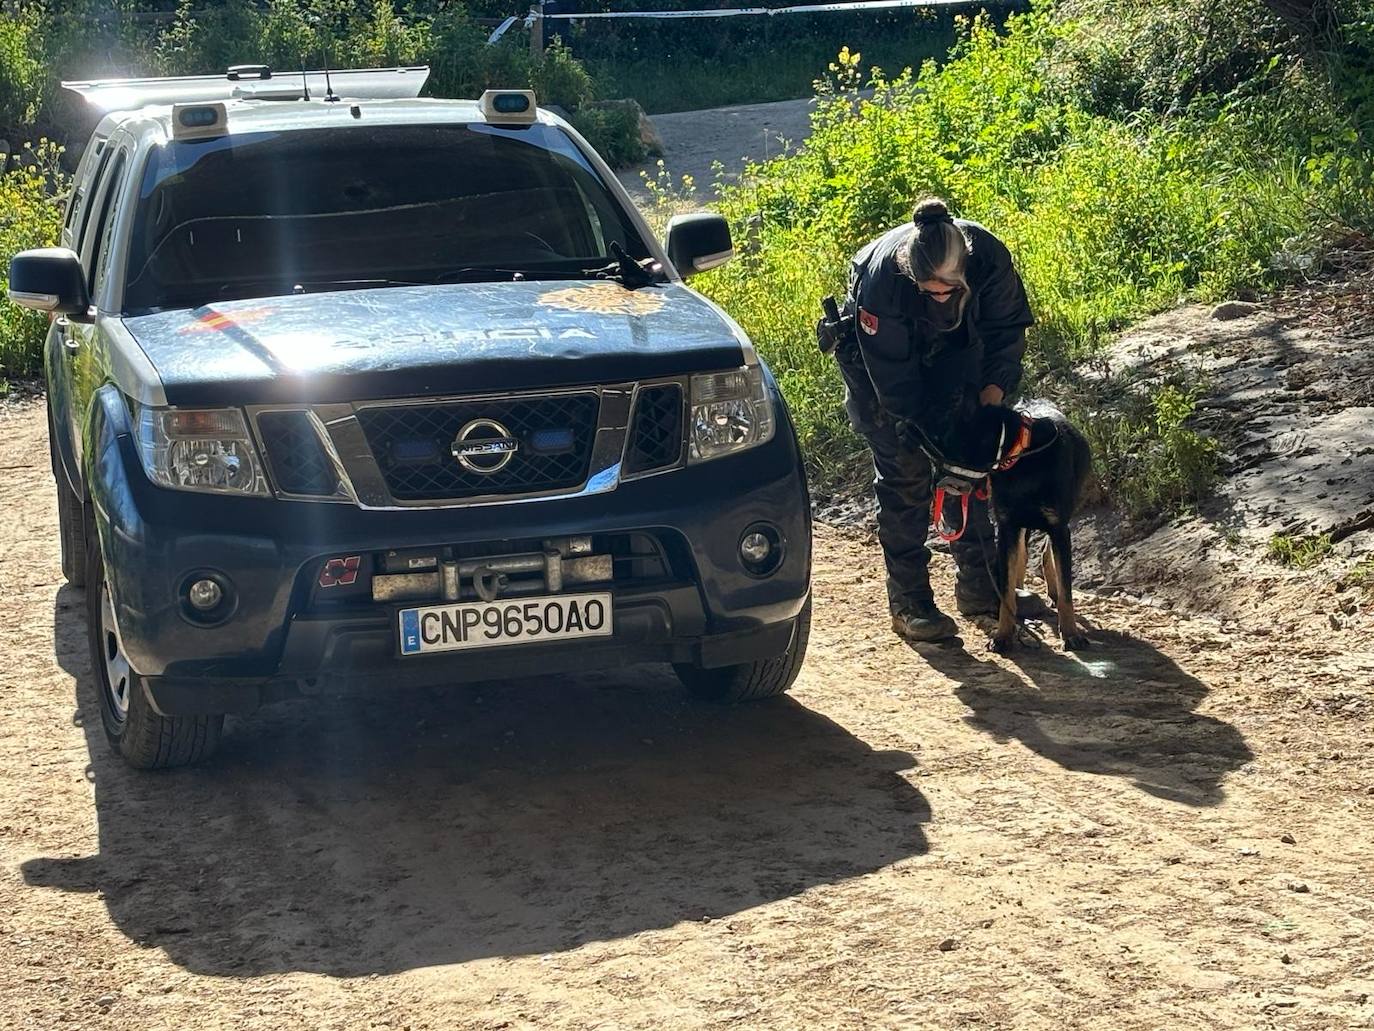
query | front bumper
(711,612)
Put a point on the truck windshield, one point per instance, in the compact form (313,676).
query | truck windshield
(258,214)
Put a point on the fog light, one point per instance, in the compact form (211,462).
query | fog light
(760,549)
(205,595)
(755,548)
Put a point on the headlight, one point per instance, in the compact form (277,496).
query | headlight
(731,411)
(191,449)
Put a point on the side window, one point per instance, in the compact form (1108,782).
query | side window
(89,192)
(104,229)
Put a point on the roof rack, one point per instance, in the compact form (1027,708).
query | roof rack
(245,82)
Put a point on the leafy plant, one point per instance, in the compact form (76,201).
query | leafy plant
(1300,551)
(30,216)
(559,78)
(1361,576)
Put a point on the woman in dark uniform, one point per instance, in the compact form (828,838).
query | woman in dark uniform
(940,318)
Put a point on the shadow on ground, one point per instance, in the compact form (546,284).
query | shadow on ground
(369,836)
(1121,708)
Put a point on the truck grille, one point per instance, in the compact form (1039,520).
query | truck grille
(655,429)
(414,445)
(298,459)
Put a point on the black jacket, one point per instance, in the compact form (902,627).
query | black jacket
(921,375)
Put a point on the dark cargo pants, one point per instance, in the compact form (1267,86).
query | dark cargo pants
(904,487)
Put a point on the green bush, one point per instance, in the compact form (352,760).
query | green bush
(30,216)
(1110,214)
(559,78)
(22,76)
(1146,458)
(612,127)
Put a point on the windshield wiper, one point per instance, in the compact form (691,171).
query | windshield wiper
(246,288)
(489,273)
(626,271)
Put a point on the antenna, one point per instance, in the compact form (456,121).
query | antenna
(305,79)
(329,93)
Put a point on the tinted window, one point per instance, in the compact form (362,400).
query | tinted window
(94,192)
(104,228)
(256,214)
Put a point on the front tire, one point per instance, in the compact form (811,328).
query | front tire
(145,740)
(751,681)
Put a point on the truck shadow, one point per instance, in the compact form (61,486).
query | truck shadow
(1121,708)
(360,836)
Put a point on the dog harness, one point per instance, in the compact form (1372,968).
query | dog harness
(1006,458)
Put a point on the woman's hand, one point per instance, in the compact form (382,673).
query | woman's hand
(991,395)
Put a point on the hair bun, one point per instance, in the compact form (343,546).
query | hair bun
(931,211)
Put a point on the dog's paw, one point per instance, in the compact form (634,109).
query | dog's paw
(1075,643)
(1000,645)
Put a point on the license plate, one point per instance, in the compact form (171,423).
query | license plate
(482,624)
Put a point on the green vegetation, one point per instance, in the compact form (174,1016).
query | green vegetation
(775,59)
(30,216)
(1121,185)
(1361,576)
(1298,551)
(1132,153)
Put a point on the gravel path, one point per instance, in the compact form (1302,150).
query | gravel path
(693,140)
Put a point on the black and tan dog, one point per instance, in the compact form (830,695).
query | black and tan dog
(1040,465)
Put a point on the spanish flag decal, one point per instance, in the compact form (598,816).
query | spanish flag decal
(214,321)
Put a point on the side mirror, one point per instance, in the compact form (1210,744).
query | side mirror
(49,279)
(699,242)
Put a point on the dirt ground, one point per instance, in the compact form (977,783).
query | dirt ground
(1175,829)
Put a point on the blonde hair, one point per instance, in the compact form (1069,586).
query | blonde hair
(936,248)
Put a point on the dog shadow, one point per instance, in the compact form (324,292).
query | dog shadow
(1121,708)
(400,830)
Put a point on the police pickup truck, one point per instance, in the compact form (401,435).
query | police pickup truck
(349,390)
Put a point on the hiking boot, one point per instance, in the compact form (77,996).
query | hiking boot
(922,621)
(976,598)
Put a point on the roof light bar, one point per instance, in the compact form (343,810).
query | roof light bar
(509,106)
(198,121)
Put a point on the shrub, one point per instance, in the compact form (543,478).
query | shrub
(560,79)
(1147,460)
(612,127)
(1110,215)
(30,216)
(22,76)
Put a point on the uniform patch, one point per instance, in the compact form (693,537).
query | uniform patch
(868,322)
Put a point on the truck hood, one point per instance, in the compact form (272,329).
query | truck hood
(433,340)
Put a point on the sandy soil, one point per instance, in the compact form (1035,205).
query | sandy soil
(1173,830)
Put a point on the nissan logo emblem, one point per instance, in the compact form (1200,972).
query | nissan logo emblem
(484,446)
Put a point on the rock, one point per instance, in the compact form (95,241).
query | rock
(1336,622)
(1288,839)
(106,1001)
(1248,851)
(948,945)
(1349,606)
(1228,310)
(1299,887)
(1285,958)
